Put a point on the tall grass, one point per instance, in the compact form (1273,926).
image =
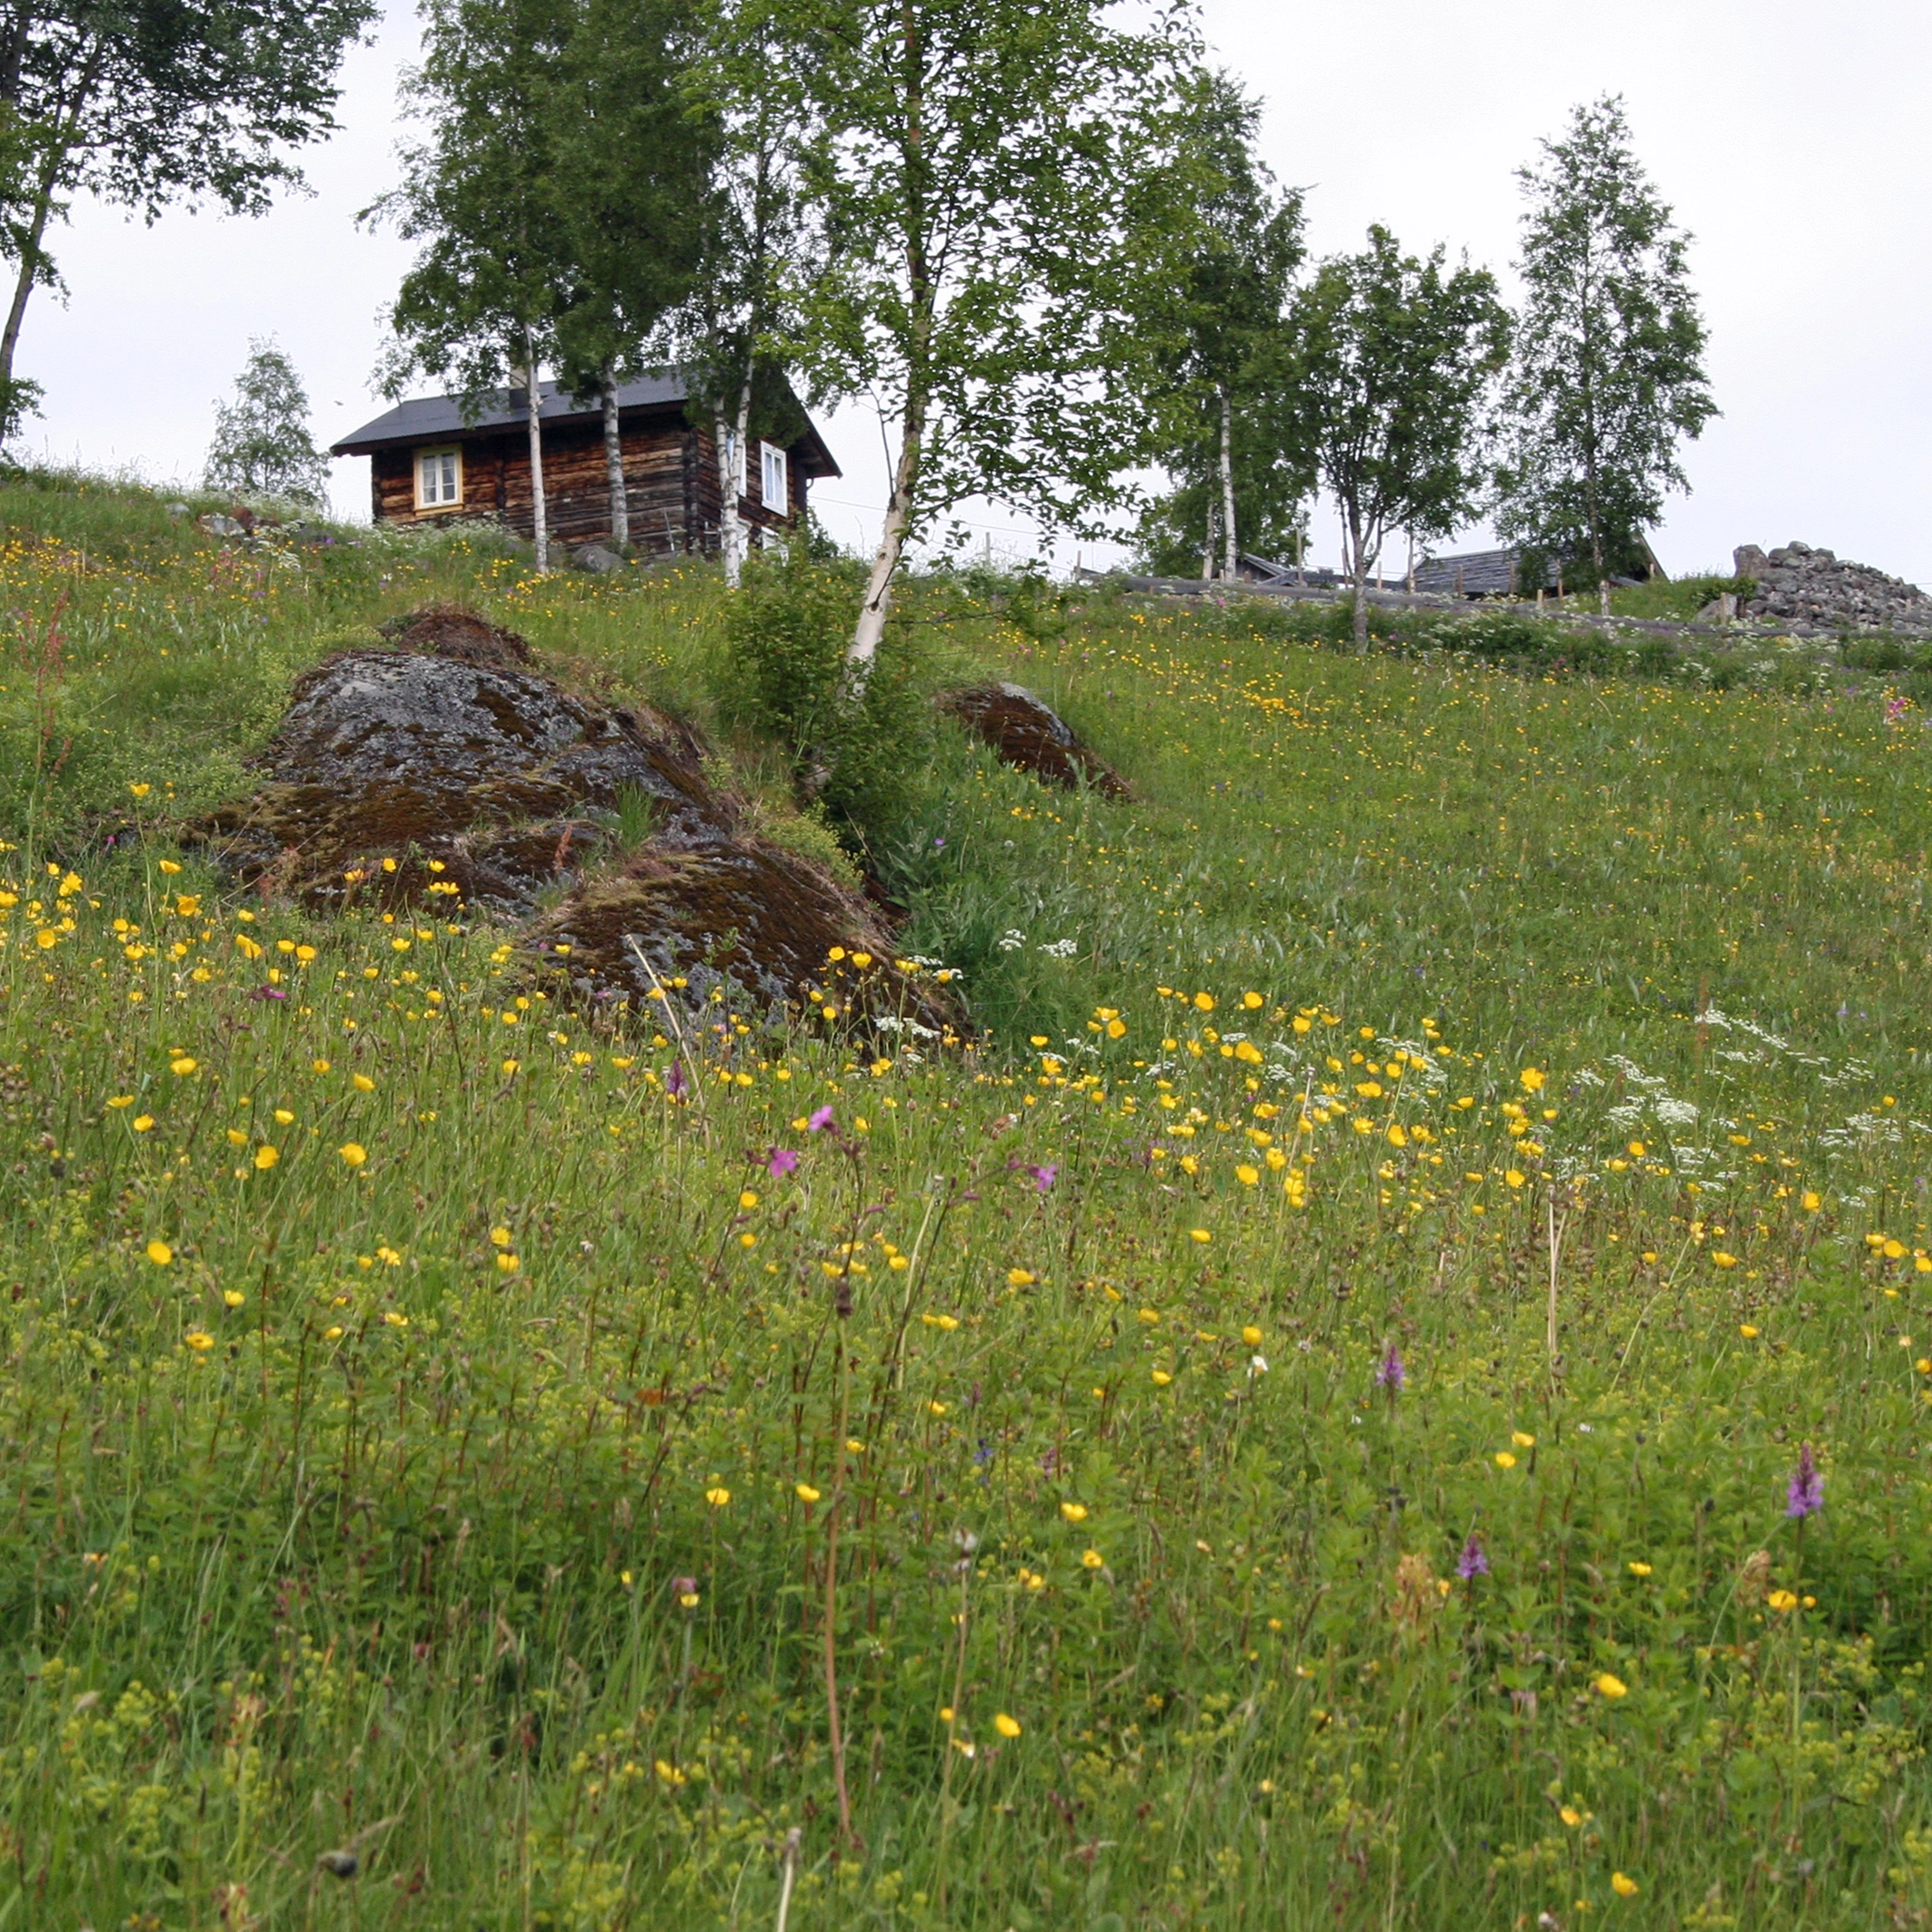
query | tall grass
(1449,1122)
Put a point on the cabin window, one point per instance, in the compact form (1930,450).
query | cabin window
(439,479)
(776,493)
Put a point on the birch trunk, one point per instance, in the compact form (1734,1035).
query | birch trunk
(732,464)
(614,465)
(43,193)
(892,539)
(533,396)
(727,499)
(1359,567)
(1229,547)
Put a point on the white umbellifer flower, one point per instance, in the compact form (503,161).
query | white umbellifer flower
(1676,1113)
(1060,948)
(1011,941)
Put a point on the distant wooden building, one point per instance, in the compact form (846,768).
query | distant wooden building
(428,462)
(1502,573)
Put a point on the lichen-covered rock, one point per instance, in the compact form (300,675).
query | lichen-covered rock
(740,927)
(461,769)
(448,771)
(1029,735)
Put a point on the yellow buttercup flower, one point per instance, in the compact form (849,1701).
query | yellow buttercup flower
(1091,1559)
(266,1156)
(1625,1887)
(1640,1569)
(1611,1687)
(717,1495)
(1074,1512)
(1007,1727)
(806,1493)
(353,1152)
(362,1083)
(160,1254)
(1504,1460)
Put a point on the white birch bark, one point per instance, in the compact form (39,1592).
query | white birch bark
(1230,547)
(533,396)
(878,602)
(613,466)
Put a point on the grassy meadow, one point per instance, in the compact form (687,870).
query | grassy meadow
(1386,1387)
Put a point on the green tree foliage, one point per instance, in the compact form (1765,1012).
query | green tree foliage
(1225,424)
(1609,369)
(979,162)
(480,305)
(1399,356)
(762,242)
(631,157)
(142,102)
(262,446)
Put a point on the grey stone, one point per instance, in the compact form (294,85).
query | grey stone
(596,557)
(1809,590)
(176,509)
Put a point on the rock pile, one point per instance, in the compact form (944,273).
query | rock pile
(446,771)
(1811,594)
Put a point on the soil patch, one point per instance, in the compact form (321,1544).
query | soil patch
(1032,737)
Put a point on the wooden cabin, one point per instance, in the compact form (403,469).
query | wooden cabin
(428,460)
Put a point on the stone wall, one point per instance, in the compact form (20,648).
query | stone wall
(1811,594)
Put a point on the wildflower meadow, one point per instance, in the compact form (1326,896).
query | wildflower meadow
(1380,1380)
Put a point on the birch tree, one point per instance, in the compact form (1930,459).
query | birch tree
(262,445)
(1224,244)
(1608,378)
(633,158)
(141,103)
(979,159)
(761,238)
(1399,357)
(480,305)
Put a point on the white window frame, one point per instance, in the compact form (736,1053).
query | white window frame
(449,474)
(774,467)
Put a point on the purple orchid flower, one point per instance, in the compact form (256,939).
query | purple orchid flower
(674,1082)
(1392,1374)
(821,1118)
(1045,1178)
(1805,1496)
(780,1162)
(1473,1563)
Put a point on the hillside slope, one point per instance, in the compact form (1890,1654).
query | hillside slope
(1386,1382)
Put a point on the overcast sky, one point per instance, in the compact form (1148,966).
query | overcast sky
(1793,142)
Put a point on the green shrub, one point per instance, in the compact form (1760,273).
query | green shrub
(855,744)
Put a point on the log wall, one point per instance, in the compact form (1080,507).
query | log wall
(670,480)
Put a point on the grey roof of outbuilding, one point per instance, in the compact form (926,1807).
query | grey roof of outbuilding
(1479,573)
(442,418)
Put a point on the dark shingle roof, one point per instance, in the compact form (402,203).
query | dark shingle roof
(1479,573)
(440,418)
